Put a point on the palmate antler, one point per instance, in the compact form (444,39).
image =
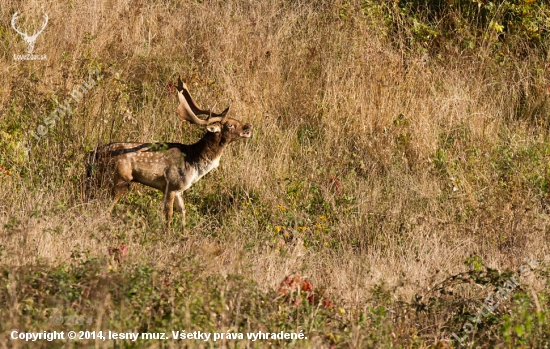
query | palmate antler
(188,108)
(30,40)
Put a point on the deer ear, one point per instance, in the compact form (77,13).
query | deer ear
(214,128)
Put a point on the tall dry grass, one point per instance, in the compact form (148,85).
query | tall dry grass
(368,162)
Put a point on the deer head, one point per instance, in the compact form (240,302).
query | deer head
(30,40)
(229,128)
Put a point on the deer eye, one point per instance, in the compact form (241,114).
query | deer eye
(231,126)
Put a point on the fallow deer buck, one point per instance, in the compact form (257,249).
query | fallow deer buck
(169,167)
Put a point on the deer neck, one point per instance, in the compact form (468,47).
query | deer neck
(211,146)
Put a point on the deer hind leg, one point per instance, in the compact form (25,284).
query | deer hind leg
(120,187)
(180,207)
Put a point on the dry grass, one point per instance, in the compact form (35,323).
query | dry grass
(379,165)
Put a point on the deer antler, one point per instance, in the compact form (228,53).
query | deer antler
(46,18)
(13,19)
(188,108)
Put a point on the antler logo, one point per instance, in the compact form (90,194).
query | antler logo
(30,40)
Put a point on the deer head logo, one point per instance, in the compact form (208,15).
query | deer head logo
(30,40)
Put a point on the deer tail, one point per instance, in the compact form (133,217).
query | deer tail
(90,164)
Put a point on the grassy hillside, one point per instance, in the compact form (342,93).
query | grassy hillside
(400,163)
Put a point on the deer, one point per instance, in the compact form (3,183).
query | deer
(169,167)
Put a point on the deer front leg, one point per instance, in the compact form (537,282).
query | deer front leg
(181,208)
(169,206)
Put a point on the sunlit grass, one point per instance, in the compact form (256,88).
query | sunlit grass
(379,163)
